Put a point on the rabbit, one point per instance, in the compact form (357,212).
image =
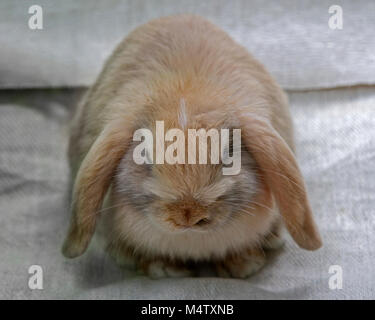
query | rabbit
(165,218)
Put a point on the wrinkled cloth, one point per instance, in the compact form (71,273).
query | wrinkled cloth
(335,132)
(291,38)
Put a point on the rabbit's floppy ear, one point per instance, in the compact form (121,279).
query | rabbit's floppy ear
(282,175)
(92,182)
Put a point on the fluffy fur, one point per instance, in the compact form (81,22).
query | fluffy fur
(189,73)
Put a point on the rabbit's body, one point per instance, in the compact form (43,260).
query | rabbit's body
(157,68)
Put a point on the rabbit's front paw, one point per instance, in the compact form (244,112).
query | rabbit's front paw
(241,266)
(163,269)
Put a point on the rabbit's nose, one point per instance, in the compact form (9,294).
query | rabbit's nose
(188,218)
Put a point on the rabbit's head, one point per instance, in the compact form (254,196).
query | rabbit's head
(187,197)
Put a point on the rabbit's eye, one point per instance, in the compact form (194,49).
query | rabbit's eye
(142,201)
(147,168)
(223,197)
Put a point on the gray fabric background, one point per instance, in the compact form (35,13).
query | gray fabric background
(290,37)
(335,130)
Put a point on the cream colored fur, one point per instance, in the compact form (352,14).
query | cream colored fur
(186,71)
